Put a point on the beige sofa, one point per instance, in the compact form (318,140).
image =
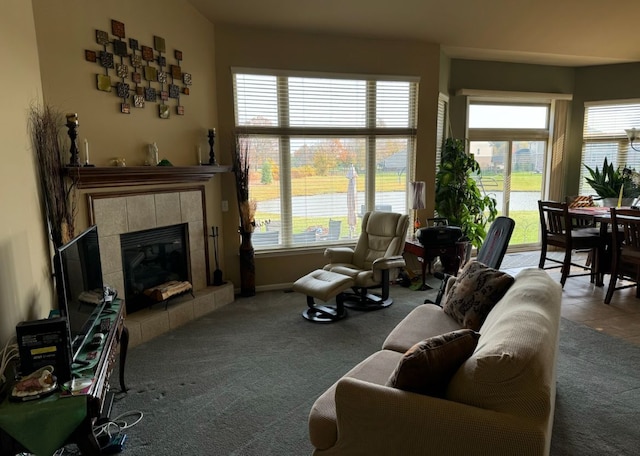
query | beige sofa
(499,402)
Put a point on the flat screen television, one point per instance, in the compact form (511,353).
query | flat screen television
(79,285)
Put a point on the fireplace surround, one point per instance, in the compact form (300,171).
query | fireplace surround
(117,213)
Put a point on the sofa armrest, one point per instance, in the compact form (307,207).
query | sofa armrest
(339,254)
(376,419)
(389,262)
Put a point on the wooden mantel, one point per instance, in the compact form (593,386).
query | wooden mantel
(116,176)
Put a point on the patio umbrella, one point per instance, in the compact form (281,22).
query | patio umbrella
(352,175)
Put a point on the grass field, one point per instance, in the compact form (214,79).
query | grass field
(527,222)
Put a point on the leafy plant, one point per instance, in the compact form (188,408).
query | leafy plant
(607,183)
(458,197)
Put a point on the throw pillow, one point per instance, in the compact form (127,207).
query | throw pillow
(474,293)
(427,367)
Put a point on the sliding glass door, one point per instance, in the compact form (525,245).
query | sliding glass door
(509,141)
(512,172)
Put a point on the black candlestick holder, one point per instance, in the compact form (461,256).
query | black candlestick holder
(212,156)
(72,125)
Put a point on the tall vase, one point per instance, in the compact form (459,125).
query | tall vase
(247,265)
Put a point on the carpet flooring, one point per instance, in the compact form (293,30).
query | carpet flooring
(241,380)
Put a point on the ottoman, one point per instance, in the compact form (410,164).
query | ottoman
(323,285)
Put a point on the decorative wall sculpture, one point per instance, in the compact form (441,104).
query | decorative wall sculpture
(148,79)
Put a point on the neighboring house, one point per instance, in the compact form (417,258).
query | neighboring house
(396,162)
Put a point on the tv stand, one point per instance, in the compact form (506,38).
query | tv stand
(93,405)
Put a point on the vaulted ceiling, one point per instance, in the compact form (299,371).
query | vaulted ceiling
(551,32)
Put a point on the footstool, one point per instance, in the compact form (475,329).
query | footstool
(323,285)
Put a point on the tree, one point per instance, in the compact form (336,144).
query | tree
(267,175)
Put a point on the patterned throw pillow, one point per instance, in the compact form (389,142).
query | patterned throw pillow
(474,293)
(427,367)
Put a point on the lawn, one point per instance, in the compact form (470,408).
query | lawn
(527,222)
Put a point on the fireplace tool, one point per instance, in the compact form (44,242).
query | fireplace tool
(217,274)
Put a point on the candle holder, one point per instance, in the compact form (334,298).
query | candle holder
(72,125)
(212,139)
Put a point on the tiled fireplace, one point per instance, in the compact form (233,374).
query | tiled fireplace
(118,213)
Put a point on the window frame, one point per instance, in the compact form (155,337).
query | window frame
(370,131)
(623,150)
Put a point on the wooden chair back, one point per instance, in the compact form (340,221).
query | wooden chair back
(626,249)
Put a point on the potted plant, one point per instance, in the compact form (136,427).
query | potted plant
(609,182)
(247,211)
(458,197)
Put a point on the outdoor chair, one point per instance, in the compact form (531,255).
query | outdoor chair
(306,237)
(375,261)
(626,250)
(262,238)
(557,230)
(334,230)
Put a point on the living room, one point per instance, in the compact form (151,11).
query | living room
(46,41)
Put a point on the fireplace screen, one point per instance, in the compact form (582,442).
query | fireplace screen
(150,258)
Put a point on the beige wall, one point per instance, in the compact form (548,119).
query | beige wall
(25,284)
(596,83)
(257,48)
(500,76)
(66,28)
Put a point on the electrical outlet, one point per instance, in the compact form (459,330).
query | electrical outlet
(225,206)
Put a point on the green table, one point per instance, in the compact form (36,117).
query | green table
(42,426)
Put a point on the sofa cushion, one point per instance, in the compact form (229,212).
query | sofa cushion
(423,322)
(427,367)
(474,293)
(513,367)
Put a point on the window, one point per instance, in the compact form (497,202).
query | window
(604,136)
(323,150)
(442,125)
(509,140)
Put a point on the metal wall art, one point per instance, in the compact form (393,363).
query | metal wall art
(140,73)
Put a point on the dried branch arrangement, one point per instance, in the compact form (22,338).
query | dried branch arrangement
(246,207)
(45,126)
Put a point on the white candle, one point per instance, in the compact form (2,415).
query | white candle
(86,150)
(199,150)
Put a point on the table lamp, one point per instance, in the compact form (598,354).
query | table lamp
(417,200)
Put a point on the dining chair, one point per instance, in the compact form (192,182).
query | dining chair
(626,250)
(557,230)
(583,222)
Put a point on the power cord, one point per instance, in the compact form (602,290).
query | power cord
(111,432)
(9,352)
(107,432)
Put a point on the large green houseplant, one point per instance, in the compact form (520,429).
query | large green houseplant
(458,197)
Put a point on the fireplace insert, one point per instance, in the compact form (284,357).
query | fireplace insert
(150,258)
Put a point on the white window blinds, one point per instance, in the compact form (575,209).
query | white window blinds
(324,149)
(604,136)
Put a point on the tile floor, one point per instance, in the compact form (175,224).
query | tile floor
(583,302)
